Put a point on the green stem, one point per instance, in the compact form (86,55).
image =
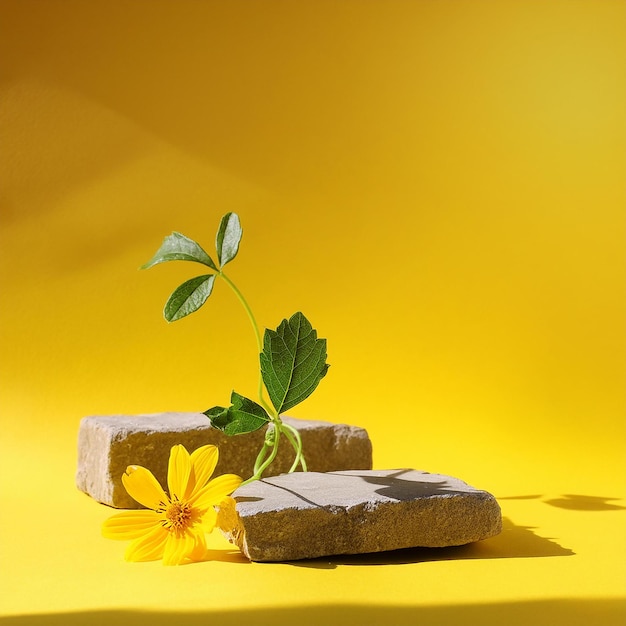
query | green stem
(260,458)
(272,456)
(259,472)
(296,441)
(271,411)
(297,450)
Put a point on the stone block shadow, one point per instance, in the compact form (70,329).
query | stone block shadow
(514,542)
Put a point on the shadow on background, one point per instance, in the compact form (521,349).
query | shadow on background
(608,612)
(515,542)
(576,502)
(585,503)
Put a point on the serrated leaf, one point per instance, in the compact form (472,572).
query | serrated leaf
(188,297)
(244,416)
(178,247)
(293,362)
(228,237)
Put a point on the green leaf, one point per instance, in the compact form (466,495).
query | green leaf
(189,297)
(293,362)
(244,416)
(177,247)
(216,415)
(228,238)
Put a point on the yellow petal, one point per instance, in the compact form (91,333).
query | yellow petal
(130,524)
(216,491)
(209,520)
(227,517)
(143,487)
(178,548)
(203,462)
(199,550)
(178,471)
(150,547)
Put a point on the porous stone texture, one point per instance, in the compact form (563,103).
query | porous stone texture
(108,444)
(309,514)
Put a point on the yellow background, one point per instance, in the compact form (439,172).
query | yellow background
(438,186)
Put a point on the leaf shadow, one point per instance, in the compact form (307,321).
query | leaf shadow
(393,486)
(575,502)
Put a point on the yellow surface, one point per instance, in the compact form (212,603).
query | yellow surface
(439,186)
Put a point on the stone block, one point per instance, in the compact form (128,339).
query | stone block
(308,514)
(108,444)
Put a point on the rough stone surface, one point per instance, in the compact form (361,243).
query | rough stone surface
(108,444)
(308,515)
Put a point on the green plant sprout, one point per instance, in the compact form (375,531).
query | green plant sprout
(292,358)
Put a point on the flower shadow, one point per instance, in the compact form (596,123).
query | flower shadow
(224,556)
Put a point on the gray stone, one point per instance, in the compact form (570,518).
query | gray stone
(308,515)
(107,445)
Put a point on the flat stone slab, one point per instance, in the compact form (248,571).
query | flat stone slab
(308,514)
(108,444)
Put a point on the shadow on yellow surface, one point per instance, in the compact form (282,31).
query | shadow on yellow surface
(576,502)
(515,542)
(585,503)
(549,612)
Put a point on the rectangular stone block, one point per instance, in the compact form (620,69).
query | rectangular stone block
(108,444)
(307,514)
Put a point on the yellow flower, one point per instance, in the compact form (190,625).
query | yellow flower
(174,526)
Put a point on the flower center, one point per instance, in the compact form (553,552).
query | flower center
(178,516)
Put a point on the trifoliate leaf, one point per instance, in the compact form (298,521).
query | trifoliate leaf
(177,247)
(189,297)
(293,362)
(244,416)
(228,238)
